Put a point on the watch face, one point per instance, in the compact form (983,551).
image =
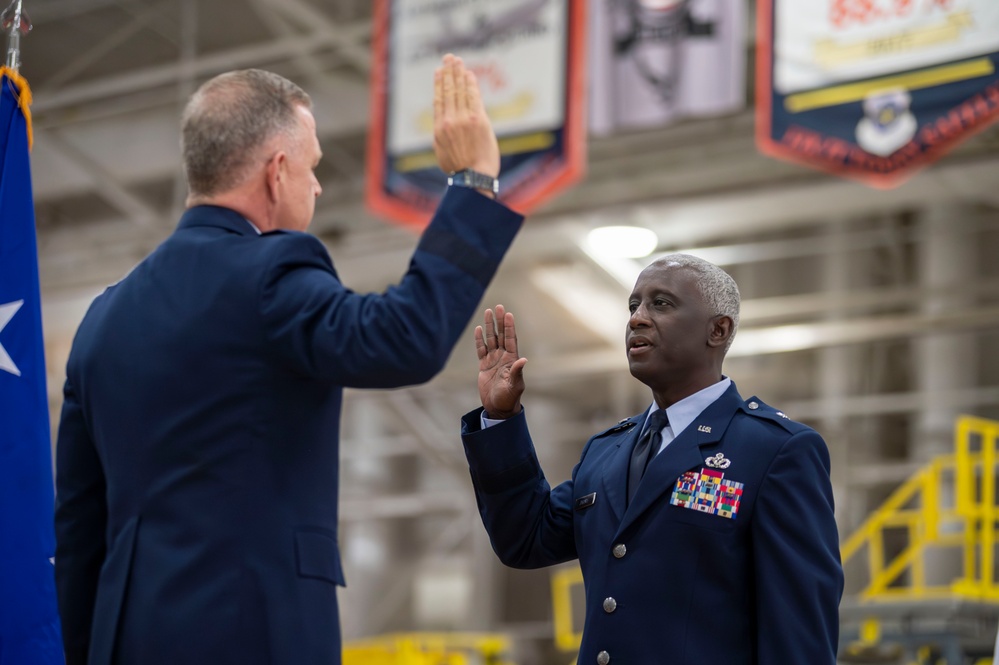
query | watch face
(475,180)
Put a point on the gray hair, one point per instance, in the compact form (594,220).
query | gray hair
(719,290)
(228,119)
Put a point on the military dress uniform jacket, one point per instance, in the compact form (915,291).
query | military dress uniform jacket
(197,460)
(727,554)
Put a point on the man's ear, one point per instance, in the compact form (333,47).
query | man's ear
(274,172)
(720,332)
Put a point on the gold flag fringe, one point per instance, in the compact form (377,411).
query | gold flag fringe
(22,93)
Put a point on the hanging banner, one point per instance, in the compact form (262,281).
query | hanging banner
(874,89)
(528,57)
(652,61)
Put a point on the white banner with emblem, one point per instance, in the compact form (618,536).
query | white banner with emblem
(515,47)
(527,57)
(874,89)
(817,44)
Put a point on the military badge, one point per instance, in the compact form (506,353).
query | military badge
(707,491)
(718,461)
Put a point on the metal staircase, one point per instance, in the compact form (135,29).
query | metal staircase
(931,595)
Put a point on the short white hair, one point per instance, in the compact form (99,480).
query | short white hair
(719,290)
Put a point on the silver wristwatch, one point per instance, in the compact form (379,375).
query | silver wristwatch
(473,179)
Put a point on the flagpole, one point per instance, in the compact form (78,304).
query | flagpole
(14,22)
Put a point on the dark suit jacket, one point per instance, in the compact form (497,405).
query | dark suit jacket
(197,455)
(760,588)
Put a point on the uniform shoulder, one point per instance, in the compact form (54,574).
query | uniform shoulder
(622,425)
(757,408)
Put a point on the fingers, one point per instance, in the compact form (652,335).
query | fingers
(498,332)
(480,343)
(509,333)
(473,96)
(461,87)
(517,370)
(451,64)
(500,329)
(490,330)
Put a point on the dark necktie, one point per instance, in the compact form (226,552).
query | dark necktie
(645,449)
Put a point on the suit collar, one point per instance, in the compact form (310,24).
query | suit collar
(684,453)
(217,217)
(615,476)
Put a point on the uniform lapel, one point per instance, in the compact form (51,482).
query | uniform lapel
(615,474)
(686,452)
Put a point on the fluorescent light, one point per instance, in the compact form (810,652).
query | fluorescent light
(630,242)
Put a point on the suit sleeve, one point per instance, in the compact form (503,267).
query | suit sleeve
(529,523)
(400,337)
(799,578)
(80,526)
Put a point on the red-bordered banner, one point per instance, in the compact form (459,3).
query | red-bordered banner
(874,89)
(529,58)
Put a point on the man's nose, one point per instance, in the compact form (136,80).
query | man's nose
(638,318)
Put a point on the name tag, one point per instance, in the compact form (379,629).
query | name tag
(586,501)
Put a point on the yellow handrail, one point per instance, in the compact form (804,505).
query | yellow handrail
(918,507)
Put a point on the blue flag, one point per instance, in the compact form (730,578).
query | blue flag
(29,621)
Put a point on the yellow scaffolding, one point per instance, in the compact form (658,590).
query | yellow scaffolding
(934,518)
(564,580)
(429,649)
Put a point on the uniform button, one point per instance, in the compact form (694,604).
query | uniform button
(603,658)
(609,605)
(753,405)
(619,550)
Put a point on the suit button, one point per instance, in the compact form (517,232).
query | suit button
(619,550)
(603,658)
(609,605)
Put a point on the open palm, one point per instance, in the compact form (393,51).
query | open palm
(501,369)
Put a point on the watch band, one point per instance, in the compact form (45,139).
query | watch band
(473,179)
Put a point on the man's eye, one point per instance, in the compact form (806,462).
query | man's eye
(632,306)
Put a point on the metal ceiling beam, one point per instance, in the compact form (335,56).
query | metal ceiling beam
(310,18)
(282,29)
(889,403)
(206,65)
(427,432)
(99,50)
(105,184)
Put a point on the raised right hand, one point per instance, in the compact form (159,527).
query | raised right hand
(463,136)
(501,369)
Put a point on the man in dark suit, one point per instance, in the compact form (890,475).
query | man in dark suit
(197,458)
(708,538)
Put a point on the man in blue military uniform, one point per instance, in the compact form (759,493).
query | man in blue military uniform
(704,526)
(197,462)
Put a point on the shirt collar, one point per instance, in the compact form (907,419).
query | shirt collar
(253,226)
(684,412)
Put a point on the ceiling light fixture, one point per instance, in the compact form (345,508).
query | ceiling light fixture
(631,242)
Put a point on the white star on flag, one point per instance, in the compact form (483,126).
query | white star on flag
(7,313)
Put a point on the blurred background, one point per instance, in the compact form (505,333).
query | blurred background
(871,315)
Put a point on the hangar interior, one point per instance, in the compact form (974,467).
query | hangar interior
(871,315)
